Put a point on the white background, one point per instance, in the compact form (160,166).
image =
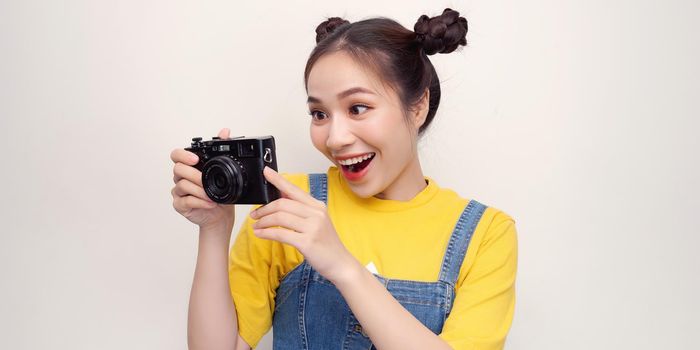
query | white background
(575,117)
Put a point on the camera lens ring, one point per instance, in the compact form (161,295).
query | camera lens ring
(223,179)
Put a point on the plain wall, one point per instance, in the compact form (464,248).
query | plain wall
(578,118)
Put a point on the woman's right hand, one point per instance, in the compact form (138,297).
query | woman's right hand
(189,198)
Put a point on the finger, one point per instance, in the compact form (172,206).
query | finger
(281,219)
(279,234)
(180,155)
(224,133)
(288,188)
(184,204)
(184,171)
(282,204)
(185,187)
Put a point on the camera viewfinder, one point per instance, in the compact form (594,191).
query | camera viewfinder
(246,150)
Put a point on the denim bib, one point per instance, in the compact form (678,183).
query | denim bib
(311,314)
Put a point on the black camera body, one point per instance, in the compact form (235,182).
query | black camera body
(232,168)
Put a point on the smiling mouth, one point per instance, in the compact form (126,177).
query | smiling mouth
(357,164)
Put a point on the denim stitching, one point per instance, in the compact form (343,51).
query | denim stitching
(318,186)
(439,293)
(462,238)
(405,300)
(454,239)
(324,189)
(463,252)
(302,302)
(290,290)
(474,219)
(281,298)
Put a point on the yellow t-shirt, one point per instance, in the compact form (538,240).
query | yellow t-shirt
(404,240)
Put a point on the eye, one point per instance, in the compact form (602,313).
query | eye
(358,109)
(317,115)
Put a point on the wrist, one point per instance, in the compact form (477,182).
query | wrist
(220,232)
(352,272)
(218,227)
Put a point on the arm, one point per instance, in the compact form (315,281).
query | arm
(212,316)
(212,322)
(482,311)
(301,221)
(388,324)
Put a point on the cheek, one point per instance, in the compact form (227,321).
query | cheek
(318,137)
(389,132)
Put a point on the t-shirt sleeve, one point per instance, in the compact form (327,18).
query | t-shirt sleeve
(252,290)
(485,300)
(256,266)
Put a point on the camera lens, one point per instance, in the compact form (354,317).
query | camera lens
(220,180)
(223,179)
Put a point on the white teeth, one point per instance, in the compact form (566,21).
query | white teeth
(356,160)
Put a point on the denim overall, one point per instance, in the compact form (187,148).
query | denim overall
(310,313)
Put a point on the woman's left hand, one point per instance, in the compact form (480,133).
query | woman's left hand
(303,223)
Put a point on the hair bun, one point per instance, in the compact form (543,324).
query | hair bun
(443,33)
(328,26)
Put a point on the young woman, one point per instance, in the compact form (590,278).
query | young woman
(371,253)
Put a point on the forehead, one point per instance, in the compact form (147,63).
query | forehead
(339,71)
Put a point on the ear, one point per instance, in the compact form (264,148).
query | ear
(420,110)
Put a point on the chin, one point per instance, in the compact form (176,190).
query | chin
(362,191)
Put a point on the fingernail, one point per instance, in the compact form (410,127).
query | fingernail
(194,158)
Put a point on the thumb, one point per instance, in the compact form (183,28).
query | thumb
(224,133)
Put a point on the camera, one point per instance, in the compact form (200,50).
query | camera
(232,168)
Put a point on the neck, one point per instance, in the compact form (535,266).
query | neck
(407,185)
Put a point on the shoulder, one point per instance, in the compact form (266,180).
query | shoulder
(494,244)
(494,238)
(495,225)
(492,216)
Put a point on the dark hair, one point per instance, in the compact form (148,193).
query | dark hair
(398,54)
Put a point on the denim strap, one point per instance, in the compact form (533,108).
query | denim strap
(459,241)
(318,186)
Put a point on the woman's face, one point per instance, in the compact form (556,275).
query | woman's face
(358,124)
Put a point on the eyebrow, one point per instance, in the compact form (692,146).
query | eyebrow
(344,94)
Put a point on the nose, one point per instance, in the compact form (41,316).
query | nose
(340,134)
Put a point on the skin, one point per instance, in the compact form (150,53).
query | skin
(368,121)
(362,122)
(211,320)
